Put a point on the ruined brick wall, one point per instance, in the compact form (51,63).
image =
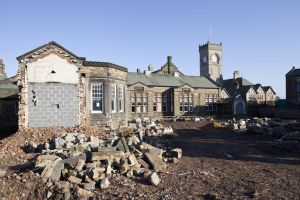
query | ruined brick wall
(54,73)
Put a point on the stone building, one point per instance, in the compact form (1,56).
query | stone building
(58,88)
(253,94)
(293,87)
(8,100)
(168,92)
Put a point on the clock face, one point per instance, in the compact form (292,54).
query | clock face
(204,59)
(214,58)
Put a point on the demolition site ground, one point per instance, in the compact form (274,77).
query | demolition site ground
(216,164)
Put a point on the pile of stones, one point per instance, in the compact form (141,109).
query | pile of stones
(90,162)
(150,127)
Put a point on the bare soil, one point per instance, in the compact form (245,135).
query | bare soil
(217,164)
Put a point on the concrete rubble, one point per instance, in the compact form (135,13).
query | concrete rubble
(90,162)
(285,130)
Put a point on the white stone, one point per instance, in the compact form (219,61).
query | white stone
(104,183)
(154,179)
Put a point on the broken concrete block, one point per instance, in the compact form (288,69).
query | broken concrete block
(74,160)
(107,155)
(70,137)
(89,186)
(107,149)
(58,143)
(124,167)
(44,160)
(141,135)
(154,179)
(91,165)
(143,163)
(177,153)
(2,173)
(156,151)
(155,162)
(167,130)
(84,193)
(122,145)
(80,165)
(53,170)
(108,169)
(104,183)
(74,180)
(138,171)
(132,160)
(133,140)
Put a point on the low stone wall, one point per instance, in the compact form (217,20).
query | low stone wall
(285,113)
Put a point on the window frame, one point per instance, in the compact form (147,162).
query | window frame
(101,94)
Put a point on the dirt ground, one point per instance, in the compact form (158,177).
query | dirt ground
(216,164)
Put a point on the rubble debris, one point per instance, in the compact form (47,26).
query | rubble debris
(89,162)
(104,183)
(2,173)
(154,178)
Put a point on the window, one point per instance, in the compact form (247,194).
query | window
(298,86)
(164,102)
(186,102)
(132,104)
(171,102)
(139,102)
(145,103)
(121,98)
(157,102)
(210,99)
(97,97)
(154,103)
(113,98)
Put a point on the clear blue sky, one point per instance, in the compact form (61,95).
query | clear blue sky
(261,38)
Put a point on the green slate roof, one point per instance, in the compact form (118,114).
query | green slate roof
(8,90)
(231,82)
(169,80)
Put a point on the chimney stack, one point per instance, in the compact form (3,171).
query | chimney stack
(2,70)
(236,74)
(169,63)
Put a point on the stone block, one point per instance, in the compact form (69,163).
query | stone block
(107,155)
(84,193)
(104,183)
(75,180)
(143,163)
(154,179)
(80,165)
(132,160)
(44,160)
(89,186)
(177,153)
(155,162)
(122,145)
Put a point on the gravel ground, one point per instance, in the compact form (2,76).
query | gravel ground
(217,164)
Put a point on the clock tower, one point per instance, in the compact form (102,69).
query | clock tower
(211,61)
